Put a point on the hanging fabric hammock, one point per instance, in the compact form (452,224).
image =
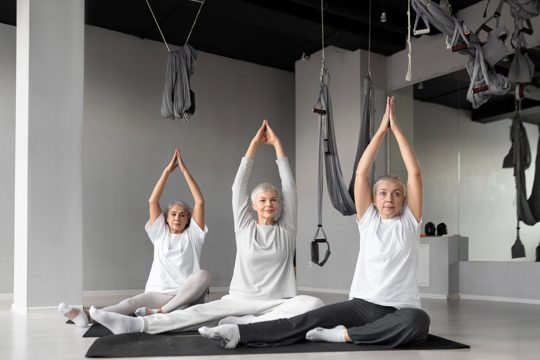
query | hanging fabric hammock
(485,82)
(178,100)
(519,158)
(342,198)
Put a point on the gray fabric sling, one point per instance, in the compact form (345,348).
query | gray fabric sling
(485,82)
(342,198)
(178,101)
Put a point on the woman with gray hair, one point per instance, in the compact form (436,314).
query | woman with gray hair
(384,302)
(176,280)
(263,285)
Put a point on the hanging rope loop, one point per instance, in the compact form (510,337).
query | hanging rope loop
(196,17)
(157,24)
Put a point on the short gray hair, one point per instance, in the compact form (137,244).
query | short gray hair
(183,205)
(391,178)
(264,187)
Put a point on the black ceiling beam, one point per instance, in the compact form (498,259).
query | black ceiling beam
(353,22)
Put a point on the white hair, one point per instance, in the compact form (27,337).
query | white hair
(183,205)
(391,178)
(264,187)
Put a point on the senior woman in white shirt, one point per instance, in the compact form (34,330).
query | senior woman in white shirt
(384,305)
(263,286)
(176,279)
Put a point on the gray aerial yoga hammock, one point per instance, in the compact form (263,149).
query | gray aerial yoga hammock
(178,100)
(485,82)
(342,198)
(519,158)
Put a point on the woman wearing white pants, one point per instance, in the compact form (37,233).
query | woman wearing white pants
(263,286)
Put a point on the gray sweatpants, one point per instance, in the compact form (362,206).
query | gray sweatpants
(366,323)
(193,292)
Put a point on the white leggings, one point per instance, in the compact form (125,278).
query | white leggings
(193,292)
(210,313)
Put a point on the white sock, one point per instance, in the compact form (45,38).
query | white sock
(228,334)
(336,335)
(117,323)
(142,311)
(80,319)
(247,319)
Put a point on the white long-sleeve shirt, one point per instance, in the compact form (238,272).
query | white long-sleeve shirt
(263,267)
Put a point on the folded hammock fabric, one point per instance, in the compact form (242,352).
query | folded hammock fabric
(485,82)
(142,344)
(519,158)
(342,198)
(178,101)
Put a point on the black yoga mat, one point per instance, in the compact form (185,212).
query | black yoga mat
(142,344)
(98,330)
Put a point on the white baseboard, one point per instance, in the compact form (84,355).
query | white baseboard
(6,297)
(436,296)
(500,299)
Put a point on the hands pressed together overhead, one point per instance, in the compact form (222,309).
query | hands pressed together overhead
(176,162)
(389,120)
(265,135)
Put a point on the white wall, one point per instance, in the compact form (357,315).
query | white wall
(346,70)
(7,154)
(127,144)
(465,185)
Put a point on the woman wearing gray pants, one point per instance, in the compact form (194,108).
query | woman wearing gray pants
(384,306)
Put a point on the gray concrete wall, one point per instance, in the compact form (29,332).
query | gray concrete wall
(127,144)
(500,280)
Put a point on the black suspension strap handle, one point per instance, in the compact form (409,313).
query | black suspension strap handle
(319,238)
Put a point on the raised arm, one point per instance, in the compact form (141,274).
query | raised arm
(288,186)
(414,176)
(273,139)
(153,202)
(258,139)
(240,197)
(363,196)
(198,199)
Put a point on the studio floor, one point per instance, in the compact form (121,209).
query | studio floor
(494,330)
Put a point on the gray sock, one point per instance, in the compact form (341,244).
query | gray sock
(228,334)
(336,334)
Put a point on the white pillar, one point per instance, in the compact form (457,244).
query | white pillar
(48,152)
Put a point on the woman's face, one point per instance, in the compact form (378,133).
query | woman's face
(266,205)
(389,198)
(177,219)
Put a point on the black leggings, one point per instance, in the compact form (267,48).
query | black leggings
(366,323)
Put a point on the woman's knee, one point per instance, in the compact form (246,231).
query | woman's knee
(201,278)
(416,320)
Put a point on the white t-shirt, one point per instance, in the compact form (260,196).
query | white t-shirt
(176,256)
(263,268)
(387,261)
